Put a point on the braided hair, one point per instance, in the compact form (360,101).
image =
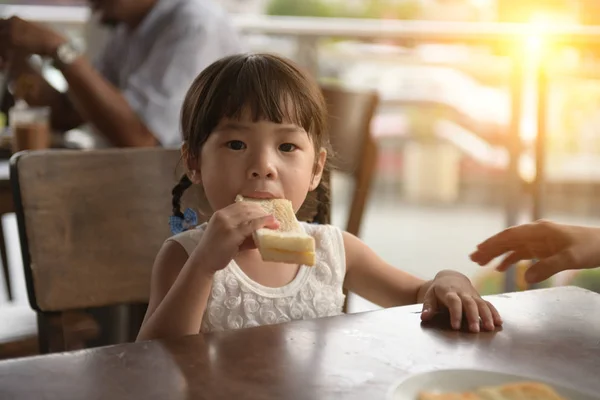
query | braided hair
(323,197)
(177,192)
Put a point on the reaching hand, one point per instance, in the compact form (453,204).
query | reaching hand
(556,247)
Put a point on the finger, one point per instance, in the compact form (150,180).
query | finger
(495,314)
(248,227)
(510,260)
(508,240)
(546,268)
(487,318)
(454,305)
(245,213)
(248,244)
(430,306)
(471,311)
(246,210)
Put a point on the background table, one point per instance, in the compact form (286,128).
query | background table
(552,334)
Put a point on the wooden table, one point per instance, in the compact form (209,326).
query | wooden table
(552,334)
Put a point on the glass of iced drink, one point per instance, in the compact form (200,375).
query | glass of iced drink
(30,127)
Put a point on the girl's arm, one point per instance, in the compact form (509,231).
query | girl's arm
(377,281)
(371,277)
(180,285)
(178,294)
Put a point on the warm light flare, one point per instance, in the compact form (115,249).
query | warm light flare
(535,47)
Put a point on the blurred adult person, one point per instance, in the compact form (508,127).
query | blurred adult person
(132,93)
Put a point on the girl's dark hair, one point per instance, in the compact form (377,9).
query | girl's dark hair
(268,86)
(177,193)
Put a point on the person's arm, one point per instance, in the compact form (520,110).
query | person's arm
(29,85)
(372,278)
(178,294)
(103,105)
(181,286)
(96,100)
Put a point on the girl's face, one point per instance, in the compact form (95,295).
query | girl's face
(257,159)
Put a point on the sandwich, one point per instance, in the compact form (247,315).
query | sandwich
(289,243)
(512,391)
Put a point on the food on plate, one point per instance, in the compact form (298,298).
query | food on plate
(512,391)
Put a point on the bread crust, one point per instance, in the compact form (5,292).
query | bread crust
(511,391)
(289,244)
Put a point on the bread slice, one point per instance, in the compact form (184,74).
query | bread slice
(288,244)
(520,391)
(513,391)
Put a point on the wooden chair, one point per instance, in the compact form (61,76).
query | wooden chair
(355,151)
(90,225)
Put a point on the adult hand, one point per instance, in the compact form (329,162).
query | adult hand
(18,35)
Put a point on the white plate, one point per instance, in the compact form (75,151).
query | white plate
(456,380)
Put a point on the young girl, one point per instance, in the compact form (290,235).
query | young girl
(255,125)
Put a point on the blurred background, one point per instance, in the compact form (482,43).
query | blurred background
(474,132)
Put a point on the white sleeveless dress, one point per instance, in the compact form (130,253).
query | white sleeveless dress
(236,301)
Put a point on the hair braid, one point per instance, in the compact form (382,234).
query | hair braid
(177,193)
(323,201)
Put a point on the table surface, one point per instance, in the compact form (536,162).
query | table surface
(551,334)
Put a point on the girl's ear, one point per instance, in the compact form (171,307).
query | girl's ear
(319,167)
(192,166)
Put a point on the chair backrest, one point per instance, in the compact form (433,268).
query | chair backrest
(350,114)
(92,222)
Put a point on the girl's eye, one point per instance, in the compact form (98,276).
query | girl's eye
(287,147)
(236,145)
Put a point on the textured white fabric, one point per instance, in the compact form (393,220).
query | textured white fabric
(236,301)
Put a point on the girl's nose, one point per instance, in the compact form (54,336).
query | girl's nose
(262,167)
(258,175)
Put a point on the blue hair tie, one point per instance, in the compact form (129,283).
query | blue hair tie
(178,224)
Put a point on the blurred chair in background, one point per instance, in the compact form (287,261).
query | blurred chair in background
(355,151)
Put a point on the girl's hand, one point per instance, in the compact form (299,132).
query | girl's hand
(454,291)
(229,231)
(557,247)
